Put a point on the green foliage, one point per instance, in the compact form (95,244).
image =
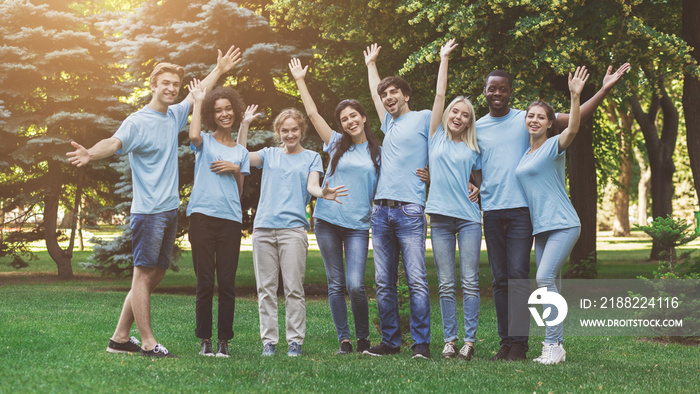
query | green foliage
(670,233)
(584,269)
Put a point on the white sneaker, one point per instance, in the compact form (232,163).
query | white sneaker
(552,353)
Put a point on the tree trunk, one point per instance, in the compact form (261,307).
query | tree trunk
(621,199)
(584,197)
(642,188)
(59,256)
(691,88)
(660,150)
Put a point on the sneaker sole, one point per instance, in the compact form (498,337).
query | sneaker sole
(207,354)
(222,355)
(368,353)
(117,351)
(420,356)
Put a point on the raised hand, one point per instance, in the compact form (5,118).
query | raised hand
(250,114)
(371,53)
(226,62)
(80,156)
(611,78)
(197,89)
(446,49)
(577,81)
(334,193)
(221,166)
(297,71)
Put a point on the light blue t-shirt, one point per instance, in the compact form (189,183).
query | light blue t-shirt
(356,171)
(541,175)
(150,139)
(451,164)
(213,194)
(405,149)
(502,141)
(283,195)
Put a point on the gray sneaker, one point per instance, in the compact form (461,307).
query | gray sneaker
(206,348)
(466,352)
(222,348)
(268,349)
(294,350)
(449,351)
(552,353)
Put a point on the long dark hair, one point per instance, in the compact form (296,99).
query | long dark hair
(346,143)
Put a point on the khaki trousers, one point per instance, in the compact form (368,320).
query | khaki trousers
(274,251)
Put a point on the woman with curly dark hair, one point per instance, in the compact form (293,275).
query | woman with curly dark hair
(215,208)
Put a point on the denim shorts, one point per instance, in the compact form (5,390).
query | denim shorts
(153,238)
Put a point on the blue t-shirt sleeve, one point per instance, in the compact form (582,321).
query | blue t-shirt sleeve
(316,163)
(245,162)
(477,162)
(181,111)
(201,146)
(385,123)
(425,130)
(553,148)
(335,138)
(127,134)
(262,152)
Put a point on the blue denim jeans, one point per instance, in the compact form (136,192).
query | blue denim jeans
(443,230)
(401,230)
(552,248)
(333,240)
(153,237)
(508,235)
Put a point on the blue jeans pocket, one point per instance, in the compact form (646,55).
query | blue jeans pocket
(412,210)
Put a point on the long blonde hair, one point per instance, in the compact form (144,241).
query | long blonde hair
(469,135)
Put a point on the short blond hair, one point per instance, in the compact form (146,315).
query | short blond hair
(286,114)
(164,67)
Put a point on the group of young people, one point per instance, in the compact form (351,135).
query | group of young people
(516,157)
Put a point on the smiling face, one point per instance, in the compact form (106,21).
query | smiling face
(352,122)
(224,114)
(459,118)
(290,133)
(497,92)
(394,101)
(166,88)
(537,122)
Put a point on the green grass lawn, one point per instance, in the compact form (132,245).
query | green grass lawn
(53,336)
(54,339)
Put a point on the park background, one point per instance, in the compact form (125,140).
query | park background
(74,70)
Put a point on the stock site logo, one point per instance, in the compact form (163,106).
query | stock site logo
(543,297)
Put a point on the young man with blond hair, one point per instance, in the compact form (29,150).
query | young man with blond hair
(149,136)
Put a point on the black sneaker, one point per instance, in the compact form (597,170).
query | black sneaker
(362,345)
(466,353)
(502,353)
(222,348)
(206,348)
(381,350)
(345,348)
(421,350)
(159,351)
(518,352)
(131,346)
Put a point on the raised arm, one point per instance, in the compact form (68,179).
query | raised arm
(224,63)
(313,186)
(439,103)
(105,148)
(322,128)
(248,117)
(371,54)
(589,107)
(575,87)
(198,92)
